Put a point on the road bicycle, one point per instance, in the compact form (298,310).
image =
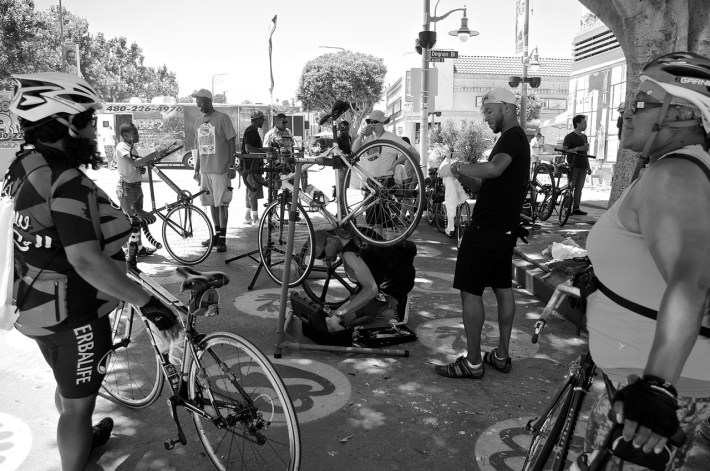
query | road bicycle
(433,194)
(435,212)
(239,404)
(187,232)
(461,220)
(552,183)
(377,209)
(553,430)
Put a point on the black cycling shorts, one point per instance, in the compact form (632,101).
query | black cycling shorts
(484,259)
(78,357)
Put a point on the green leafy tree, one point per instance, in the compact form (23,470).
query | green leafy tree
(464,141)
(346,75)
(533,104)
(31,42)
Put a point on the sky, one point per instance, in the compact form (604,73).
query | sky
(225,42)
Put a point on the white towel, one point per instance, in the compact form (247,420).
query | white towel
(454,194)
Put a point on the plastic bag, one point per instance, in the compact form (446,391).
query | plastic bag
(567,249)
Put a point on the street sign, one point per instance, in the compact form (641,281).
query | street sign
(436,59)
(444,54)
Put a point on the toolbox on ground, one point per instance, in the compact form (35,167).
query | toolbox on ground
(313,323)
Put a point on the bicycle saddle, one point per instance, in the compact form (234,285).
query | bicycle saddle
(339,107)
(195,280)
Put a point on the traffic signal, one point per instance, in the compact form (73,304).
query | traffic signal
(534,81)
(417,46)
(513,81)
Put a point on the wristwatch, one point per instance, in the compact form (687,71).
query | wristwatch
(456,169)
(340,313)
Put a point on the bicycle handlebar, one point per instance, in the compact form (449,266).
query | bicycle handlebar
(167,153)
(575,154)
(561,291)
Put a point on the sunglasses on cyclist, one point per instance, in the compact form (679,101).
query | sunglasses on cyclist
(372,121)
(636,105)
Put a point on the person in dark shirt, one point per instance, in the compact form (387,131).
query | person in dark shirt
(251,144)
(345,140)
(486,250)
(577,142)
(385,274)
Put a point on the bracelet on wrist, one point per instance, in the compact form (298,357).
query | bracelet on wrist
(660,383)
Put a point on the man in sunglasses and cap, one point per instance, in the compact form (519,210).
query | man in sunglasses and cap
(486,250)
(374,128)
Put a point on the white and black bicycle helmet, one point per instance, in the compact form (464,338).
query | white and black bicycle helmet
(54,95)
(685,76)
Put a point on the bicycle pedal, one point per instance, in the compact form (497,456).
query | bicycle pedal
(170,444)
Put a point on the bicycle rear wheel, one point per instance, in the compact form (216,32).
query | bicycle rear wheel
(185,228)
(134,377)
(329,285)
(253,424)
(545,189)
(430,212)
(376,201)
(565,208)
(546,430)
(463,218)
(442,219)
(273,236)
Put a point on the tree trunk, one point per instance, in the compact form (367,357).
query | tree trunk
(646,30)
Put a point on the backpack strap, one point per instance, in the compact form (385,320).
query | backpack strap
(691,158)
(637,308)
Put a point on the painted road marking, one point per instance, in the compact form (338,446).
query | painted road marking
(316,389)
(15,442)
(503,446)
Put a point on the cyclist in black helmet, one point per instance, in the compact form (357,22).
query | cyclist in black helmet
(69,265)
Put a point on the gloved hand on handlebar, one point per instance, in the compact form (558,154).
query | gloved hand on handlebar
(648,411)
(161,316)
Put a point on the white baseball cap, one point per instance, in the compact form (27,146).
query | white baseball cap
(499,95)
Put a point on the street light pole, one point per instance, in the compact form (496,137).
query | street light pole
(427,39)
(524,90)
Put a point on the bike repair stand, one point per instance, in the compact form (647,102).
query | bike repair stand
(280,344)
(271,179)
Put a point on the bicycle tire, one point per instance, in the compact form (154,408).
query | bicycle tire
(565,208)
(544,183)
(545,436)
(463,218)
(134,376)
(441,219)
(260,428)
(272,240)
(544,206)
(320,285)
(528,213)
(381,204)
(185,228)
(430,214)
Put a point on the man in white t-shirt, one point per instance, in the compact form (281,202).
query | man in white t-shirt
(214,168)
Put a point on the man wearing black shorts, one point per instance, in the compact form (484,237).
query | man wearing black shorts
(486,251)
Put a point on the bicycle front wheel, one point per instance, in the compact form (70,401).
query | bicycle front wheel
(565,208)
(430,207)
(185,228)
(329,285)
(376,200)
(544,184)
(273,236)
(134,377)
(547,429)
(463,218)
(252,423)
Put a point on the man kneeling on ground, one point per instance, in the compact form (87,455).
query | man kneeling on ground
(387,271)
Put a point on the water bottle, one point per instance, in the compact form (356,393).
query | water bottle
(173,376)
(177,350)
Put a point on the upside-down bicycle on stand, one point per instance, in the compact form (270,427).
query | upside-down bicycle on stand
(376,208)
